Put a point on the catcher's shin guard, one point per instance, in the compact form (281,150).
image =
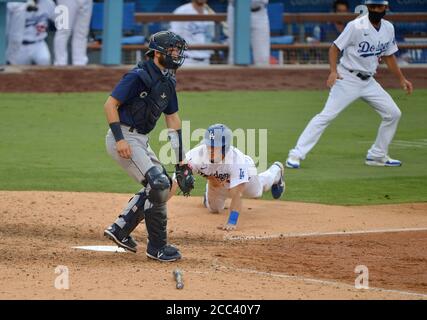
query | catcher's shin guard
(133,214)
(128,220)
(156,216)
(156,223)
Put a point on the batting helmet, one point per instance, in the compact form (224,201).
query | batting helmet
(218,136)
(379,2)
(163,41)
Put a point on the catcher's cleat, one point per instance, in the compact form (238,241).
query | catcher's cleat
(113,233)
(278,188)
(383,162)
(168,253)
(293,163)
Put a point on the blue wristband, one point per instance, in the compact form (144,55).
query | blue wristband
(232,219)
(117,131)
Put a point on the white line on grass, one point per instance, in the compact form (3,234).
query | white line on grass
(318,234)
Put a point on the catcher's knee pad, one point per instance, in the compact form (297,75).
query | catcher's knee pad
(134,213)
(159,183)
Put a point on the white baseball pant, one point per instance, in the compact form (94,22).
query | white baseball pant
(260,36)
(79,14)
(37,53)
(216,195)
(343,93)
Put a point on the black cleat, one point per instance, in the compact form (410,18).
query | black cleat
(166,254)
(113,233)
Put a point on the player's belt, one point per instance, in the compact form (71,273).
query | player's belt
(361,75)
(253,9)
(256,9)
(25,42)
(129,127)
(198,59)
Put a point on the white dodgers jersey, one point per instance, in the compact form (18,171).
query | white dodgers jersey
(36,22)
(194,32)
(363,44)
(235,169)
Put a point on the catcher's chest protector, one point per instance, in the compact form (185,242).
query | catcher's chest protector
(149,106)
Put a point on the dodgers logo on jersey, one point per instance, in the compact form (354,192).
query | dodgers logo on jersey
(219,176)
(242,174)
(367,50)
(197,28)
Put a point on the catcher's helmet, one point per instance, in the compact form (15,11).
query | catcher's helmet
(218,135)
(163,41)
(380,2)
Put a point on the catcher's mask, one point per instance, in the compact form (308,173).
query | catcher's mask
(218,141)
(168,43)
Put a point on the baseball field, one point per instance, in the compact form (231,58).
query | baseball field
(60,189)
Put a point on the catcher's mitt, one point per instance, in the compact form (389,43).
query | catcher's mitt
(185,179)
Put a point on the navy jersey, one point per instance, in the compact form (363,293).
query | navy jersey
(131,86)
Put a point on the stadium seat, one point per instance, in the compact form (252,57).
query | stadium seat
(275,16)
(133,40)
(128,25)
(282,40)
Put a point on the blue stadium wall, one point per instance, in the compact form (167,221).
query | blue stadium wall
(290,5)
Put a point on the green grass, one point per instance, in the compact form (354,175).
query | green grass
(56,142)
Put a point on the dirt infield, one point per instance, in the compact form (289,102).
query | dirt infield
(282,250)
(71,79)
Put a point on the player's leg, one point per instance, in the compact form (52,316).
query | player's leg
(271,179)
(214,197)
(134,212)
(23,55)
(80,33)
(390,113)
(60,42)
(343,93)
(128,220)
(260,37)
(145,168)
(41,53)
(253,188)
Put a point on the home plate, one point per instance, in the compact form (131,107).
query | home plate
(101,248)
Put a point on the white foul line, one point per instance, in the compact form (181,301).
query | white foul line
(318,234)
(311,280)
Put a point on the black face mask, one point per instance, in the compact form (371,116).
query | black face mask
(169,62)
(375,17)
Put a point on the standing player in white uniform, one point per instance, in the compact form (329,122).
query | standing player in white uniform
(231,174)
(260,32)
(15,27)
(195,32)
(33,48)
(364,41)
(79,14)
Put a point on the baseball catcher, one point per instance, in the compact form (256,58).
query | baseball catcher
(132,110)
